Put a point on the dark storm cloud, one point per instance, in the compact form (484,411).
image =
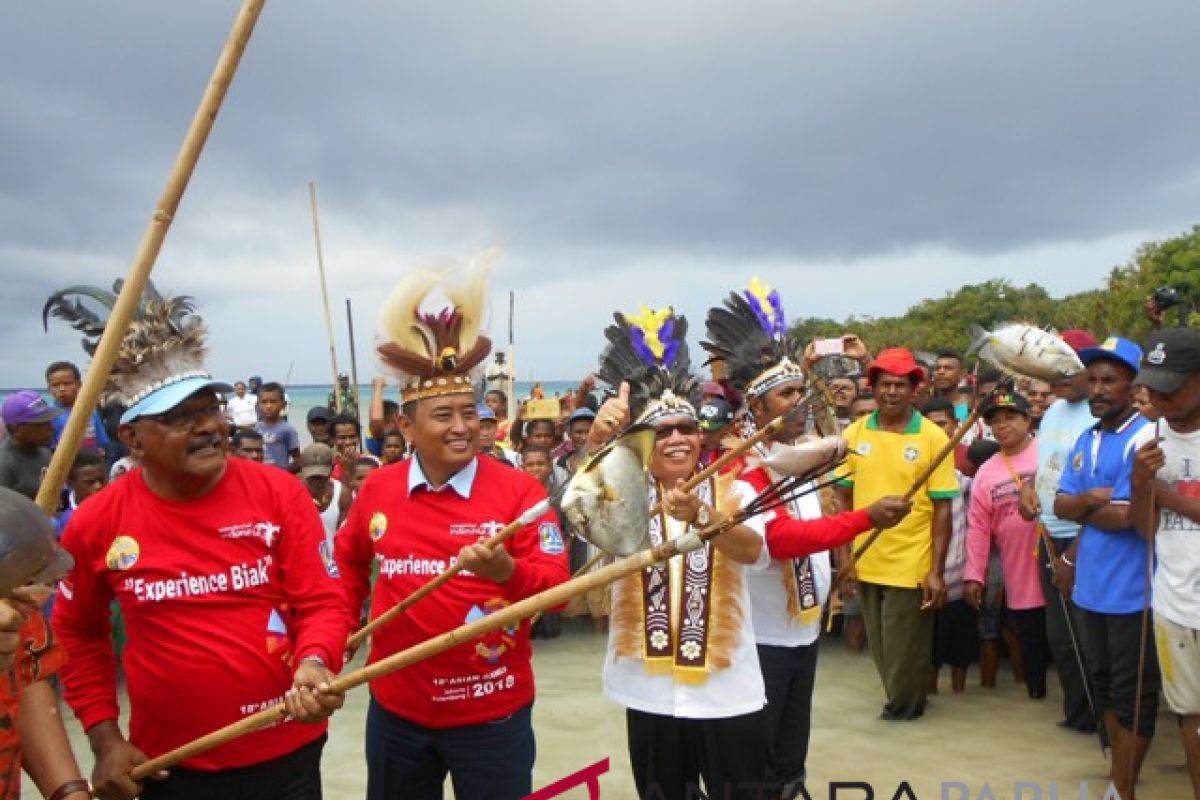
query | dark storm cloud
(576,133)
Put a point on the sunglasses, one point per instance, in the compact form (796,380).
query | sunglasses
(664,432)
(182,418)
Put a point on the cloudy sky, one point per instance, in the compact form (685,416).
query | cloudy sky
(860,155)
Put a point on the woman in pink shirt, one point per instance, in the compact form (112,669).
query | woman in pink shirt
(993,517)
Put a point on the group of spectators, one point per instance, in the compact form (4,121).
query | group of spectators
(1040,536)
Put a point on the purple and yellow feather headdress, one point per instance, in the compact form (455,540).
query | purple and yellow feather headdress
(749,334)
(648,351)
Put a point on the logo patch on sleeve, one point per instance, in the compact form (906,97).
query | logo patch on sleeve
(550,539)
(326,551)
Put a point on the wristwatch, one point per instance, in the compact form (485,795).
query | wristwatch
(703,517)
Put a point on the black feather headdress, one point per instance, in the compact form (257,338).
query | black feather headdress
(164,347)
(649,352)
(749,334)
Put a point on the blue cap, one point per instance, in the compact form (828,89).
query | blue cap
(583,412)
(486,413)
(1114,348)
(165,398)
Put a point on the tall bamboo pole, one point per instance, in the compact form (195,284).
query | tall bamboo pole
(353,362)
(337,395)
(147,252)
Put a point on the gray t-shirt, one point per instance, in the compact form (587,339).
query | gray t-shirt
(22,468)
(279,440)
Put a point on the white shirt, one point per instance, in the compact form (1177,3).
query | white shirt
(1177,577)
(768,598)
(733,691)
(243,411)
(329,517)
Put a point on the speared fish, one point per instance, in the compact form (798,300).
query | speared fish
(29,552)
(606,500)
(801,459)
(1025,351)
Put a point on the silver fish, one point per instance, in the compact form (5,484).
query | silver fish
(1024,351)
(29,552)
(796,460)
(606,500)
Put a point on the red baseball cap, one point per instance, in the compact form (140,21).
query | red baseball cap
(1078,339)
(895,361)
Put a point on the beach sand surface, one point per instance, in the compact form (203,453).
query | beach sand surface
(996,737)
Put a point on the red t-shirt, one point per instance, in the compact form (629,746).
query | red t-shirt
(415,538)
(221,597)
(38,657)
(789,537)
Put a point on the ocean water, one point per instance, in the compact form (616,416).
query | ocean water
(301,398)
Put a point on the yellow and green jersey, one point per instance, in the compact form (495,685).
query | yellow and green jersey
(883,463)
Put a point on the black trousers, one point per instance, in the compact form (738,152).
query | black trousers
(1031,633)
(1111,642)
(789,674)
(1061,612)
(670,755)
(295,776)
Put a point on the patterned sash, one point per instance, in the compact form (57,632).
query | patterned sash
(799,583)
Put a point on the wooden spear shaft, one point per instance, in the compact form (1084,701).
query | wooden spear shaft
(510,615)
(147,253)
(337,395)
(942,455)
(511,528)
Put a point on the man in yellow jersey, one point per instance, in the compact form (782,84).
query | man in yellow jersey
(900,577)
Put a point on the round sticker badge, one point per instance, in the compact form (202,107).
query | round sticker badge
(122,553)
(378,526)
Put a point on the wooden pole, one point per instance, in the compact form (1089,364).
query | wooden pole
(511,528)
(945,452)
(512,362)
(510,615)
(147,253)
(353,362)
(337,395)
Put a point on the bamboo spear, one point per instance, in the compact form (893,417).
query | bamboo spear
(337,395)
(945,452)
(511,528)
(147,252)
(510,615)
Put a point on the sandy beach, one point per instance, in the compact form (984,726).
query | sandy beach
(981,740)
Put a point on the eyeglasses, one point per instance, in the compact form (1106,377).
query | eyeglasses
(683,428)
(182,418)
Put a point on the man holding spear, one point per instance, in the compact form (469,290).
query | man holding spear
(220,568)
(467,711)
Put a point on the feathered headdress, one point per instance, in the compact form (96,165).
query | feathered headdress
(649,352)
(436,353)
(161,359)
(749,334)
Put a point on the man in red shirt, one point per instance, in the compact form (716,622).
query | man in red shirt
(226,585)
(467,711)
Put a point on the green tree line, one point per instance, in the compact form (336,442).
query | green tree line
(1114,308)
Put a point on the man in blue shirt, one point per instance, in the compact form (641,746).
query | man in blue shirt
(1111,583)
(1068,417)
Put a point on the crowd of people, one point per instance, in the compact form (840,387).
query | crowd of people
(1061,529)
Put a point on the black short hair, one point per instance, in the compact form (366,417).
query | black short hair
(536,448)
(957,356)
(530,424)
(498,393)
(345,419)
(988,375)
(390,408)
(937,404)
(864,396)
(85,458)
(981,450)
(364,461)
(63,366)
(392,434)
(272,386)
(242,434)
